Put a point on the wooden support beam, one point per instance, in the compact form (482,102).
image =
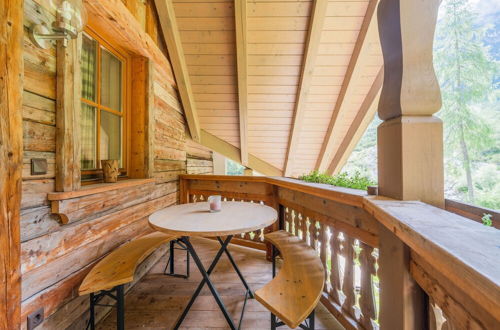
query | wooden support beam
(363,118)
(11,160)
(410,140)
(68,108)
(353,70)
(117,23)
(402,302)
(141,128)
(231,152)
(240,20)
(312,46)
(173,41)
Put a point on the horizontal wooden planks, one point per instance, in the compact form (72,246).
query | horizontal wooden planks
(274,49)
(207,32)
(63,306)
(338,56)
(109,218)
(47,275)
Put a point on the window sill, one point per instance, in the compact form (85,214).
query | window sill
(92,199)
(97,188)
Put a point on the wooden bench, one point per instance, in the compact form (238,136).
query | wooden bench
(110,274)
(294,293)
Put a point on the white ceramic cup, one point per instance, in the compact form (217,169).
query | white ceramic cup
(215,203)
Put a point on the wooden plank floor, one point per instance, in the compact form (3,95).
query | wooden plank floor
(157,301)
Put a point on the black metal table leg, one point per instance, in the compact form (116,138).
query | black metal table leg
(171,258)
(206,280)
(202,283)
(230,257)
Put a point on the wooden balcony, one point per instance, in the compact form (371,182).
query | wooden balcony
(372,247)
(287,87)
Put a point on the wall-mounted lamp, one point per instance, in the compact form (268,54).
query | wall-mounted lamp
(70,20)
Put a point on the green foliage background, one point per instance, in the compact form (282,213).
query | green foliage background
(355,181)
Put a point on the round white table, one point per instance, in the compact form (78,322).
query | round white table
(195,219)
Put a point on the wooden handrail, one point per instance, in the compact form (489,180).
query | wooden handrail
(347,196)
(465,252)
(472,212)
(454,260)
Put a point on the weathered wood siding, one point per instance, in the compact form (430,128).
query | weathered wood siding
(198,159)
(56,257)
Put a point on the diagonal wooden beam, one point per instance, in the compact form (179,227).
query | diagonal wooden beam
(359,48)
(228,150)
(172,38)
(363,118)
(240,15)
(311,51)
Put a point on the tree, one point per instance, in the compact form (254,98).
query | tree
(466,73)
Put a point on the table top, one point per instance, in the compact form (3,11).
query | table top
(195,219)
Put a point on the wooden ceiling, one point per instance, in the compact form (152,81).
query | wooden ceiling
(284,87)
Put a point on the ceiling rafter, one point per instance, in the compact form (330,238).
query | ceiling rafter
(168,24)
(228,150)
(316,23)
(359,48)
(240,15)
(359,124)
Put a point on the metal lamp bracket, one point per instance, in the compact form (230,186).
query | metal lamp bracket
(41,36)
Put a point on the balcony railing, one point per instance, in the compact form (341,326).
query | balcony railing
(473,212)
(452,259)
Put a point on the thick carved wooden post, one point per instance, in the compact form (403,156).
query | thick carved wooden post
(410,140)
(410,146)
(11,160)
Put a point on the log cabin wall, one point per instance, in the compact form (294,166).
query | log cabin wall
(58,250)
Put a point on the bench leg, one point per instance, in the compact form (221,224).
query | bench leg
(309,325)
(118,294)
(171,259)
(311,320)
(273,321)
(91,323)
(120,307)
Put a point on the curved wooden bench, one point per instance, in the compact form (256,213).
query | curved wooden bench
(118,268)
(294,293)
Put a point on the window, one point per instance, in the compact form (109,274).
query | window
(103,106)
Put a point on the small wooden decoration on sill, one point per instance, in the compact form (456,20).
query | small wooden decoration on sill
(372,190)
(110,170)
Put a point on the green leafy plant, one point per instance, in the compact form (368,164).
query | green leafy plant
(487,220)
(356,181)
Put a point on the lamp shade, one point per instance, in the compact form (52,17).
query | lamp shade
(71,13)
